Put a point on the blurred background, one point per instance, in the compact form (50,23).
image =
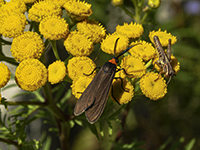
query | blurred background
(175,117)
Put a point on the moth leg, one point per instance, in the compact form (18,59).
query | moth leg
(124,71)
(92,71)
(114,96)
(121,84)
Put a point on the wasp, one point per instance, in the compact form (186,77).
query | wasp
(164,61)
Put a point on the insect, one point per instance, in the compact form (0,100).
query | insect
(94,98)
(164,61)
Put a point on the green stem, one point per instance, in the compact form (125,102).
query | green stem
(52,107)
(53,44)
(23,103)
(146,15)
(5,42)
(9,142)
(127,11)
(9,60)
(64,135)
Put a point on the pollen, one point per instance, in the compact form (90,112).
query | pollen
(132,30)
(12,24)
(53,28)
(56,72)
(59,2)
(163,37)
(108,44)
(143,50)
(31,74)
(153,86)
(78,10)
(4,75)
(92,29)
(27,45)
(78,45)
(80,66)
(122,94)
(43,9)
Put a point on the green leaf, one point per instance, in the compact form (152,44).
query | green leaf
(190,144)
(47,143)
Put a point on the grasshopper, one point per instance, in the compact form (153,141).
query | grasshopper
(164,61)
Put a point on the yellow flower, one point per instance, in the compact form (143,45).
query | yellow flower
(78,10)
(54,28)
(117,2)
(4,75)
(92,29)
(78,66)
(154,3)
(153,86)
(175,64)
(27,45)
(1,2)
(16,6)
(79,86)
(59,2)
(144,50)
(42,9)
(118,93)
(12,24)
(56,72)
(133,66)
(130,30)
(78,45)
(31,74)
(25,1)
(163,37)
(108,43)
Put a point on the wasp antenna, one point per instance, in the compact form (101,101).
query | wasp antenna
(115,46)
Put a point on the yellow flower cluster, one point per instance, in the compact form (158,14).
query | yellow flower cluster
(31,74)
(27,45)
(4,75)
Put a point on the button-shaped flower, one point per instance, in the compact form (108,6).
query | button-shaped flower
(4,75)
(31,74)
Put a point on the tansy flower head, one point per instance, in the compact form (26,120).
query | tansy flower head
(153,86)
(118,93)
(143,50)
(25,1)
(78,10)
(27,45)
(59,2)
(16,6)
(79,86)
(78,45)
(12,24)
(163,37)
(130,30)
(0,98)
(133,66)
(54,28)
(4,75)
(56,72)
(175,64)
(108,43)
(1,2)
(78,66)
(31,74)
(154,3)
(42,9)
(92,29)
(117,2)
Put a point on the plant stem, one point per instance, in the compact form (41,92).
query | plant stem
(53,44)
(9,60)
(13,103)
(64,129)
(9,142)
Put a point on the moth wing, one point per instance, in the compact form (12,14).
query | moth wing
(94,112)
